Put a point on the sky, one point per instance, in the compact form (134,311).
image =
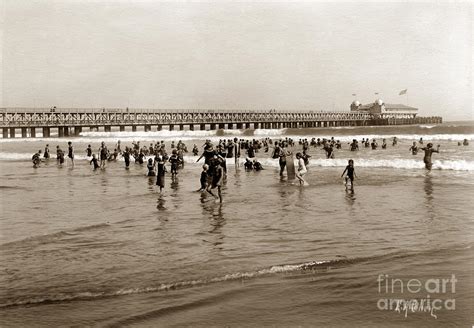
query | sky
(246,55)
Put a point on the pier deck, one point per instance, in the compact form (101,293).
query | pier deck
(71,121)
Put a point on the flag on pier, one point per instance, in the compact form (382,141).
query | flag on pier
(402,92)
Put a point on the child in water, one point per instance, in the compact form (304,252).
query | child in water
(350,173)
(151,168)
(95,162)
(203,179)
(36,158)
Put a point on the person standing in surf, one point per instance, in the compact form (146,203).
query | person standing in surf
(217,178)
(70,152)
(160,175)
(429,150)
(104,154)
(126,157)
(236,152)
(46,152)
(59,156)
(301,170)
(350,173)
(283,153)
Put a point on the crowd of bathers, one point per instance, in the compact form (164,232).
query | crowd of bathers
(216,156)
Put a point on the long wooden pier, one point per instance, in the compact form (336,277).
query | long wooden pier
(72,121)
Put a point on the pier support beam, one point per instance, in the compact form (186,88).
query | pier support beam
(107,128)
(221,126)
(66,131)
(181,127)
(171,127)
(159,127)
(12,132)
(213,126)
(147,128)
(5,133)
(46,132)
(24,133)
(239,126)
(77,130)
(33,132)
(61,131)
(122,128)
(256,125)
(202,127)
(247,125)
(230,126)
(191,127)
(134,128)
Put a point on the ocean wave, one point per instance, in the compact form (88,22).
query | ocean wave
(276,269)
(454,165)
(52,237)
(269,132)
(341,133)
(310,267)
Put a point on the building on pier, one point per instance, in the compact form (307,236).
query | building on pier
(382,110)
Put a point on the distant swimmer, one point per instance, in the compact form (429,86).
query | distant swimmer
(420,141)
(429,150)
(70,152)
(384,144)
(46,154)
(414,148)
(301,170)
(374,144)
(89,151)
(465,142)
(350,173)
(354,145)
(36,159)
(94,162)
(195,150)
(394,141)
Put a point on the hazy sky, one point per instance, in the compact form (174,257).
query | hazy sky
(264,55)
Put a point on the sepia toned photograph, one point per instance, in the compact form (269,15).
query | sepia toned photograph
(236,164)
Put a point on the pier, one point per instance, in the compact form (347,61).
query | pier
(67,122)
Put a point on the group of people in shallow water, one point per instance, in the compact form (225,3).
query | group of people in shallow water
(214,169)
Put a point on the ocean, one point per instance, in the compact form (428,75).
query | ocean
(84,248)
